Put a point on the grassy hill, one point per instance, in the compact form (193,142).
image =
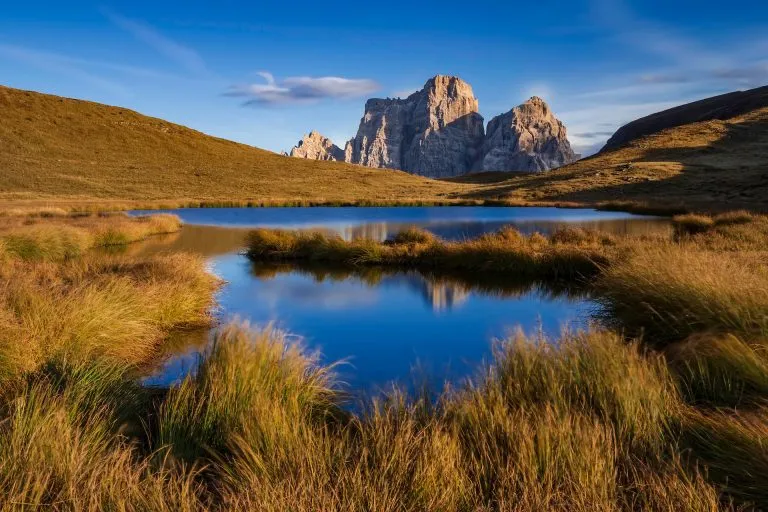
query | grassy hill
(724,106)
(62,149)
(59,151)
(709,165)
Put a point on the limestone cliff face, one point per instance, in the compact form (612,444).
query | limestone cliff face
(434,132)
(316,147)
(437,132)
(528,138)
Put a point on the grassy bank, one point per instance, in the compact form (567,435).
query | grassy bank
(566,255)
(587,423)
(78,154)
(710,275)
(668,415)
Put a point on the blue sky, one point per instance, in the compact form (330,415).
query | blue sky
(264,73)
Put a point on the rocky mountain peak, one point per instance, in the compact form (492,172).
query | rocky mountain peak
(315,146)
(438,132)
(435,132)
(528,138)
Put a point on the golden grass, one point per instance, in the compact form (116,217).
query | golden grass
(540,429)
(61,153)
(58,301)
(64,237)
(569,254)
(590,421)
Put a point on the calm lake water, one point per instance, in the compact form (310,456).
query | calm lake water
(400,326)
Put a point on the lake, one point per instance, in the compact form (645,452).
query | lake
(386,326)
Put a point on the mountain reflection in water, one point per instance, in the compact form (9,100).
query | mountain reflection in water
(384,323)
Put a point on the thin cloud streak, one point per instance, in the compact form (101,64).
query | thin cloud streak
(185,57)
(300,90)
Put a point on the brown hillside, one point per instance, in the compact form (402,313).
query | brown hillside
(718,164)
(53,147)
(725,106)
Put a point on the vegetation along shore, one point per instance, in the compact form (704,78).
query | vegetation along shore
(659,406)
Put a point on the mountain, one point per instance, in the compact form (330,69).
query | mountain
(438,132)
(723,107)
(65,149)
(527,138)
(316,147)
(434,132)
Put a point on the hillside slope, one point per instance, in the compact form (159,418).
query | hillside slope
(722,107)
(711,165)
(53,147)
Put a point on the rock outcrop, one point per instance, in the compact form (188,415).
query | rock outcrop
(528,138)
(436,132)
(317,147)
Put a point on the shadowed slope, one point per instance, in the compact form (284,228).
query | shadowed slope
(707,165)
(725,106)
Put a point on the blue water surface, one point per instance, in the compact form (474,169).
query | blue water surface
(387,327)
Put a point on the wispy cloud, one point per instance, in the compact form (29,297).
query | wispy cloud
(680,67)
(592,135)
(182,55)
(302,89)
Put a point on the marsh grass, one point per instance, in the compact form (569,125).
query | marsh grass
(67,237)
(734,448)
(587,427)
(567,255)
(673,291)
(720,370)
(589,421)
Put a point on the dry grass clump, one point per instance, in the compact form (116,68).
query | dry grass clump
(691,224)
(734,449)
(568,255)
(61,446)
(730,231)
(40,238)
(672,292)
(250,381)
(100,306)
(540,429)
(720,370)
(594,372)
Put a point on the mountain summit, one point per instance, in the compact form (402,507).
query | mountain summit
(438,132)
(527,138)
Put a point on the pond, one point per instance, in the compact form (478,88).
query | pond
(403,327)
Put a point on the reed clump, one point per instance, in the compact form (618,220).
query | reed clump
(67,236)
(591,427)
(674,291)
(569,255)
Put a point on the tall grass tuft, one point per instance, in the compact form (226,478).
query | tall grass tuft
(251,383)
(722,371)
(672,292)
(61,448)
(734,449)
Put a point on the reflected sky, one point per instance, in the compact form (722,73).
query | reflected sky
(383,324)
(452,223)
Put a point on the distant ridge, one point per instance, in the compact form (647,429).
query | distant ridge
(725,106)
